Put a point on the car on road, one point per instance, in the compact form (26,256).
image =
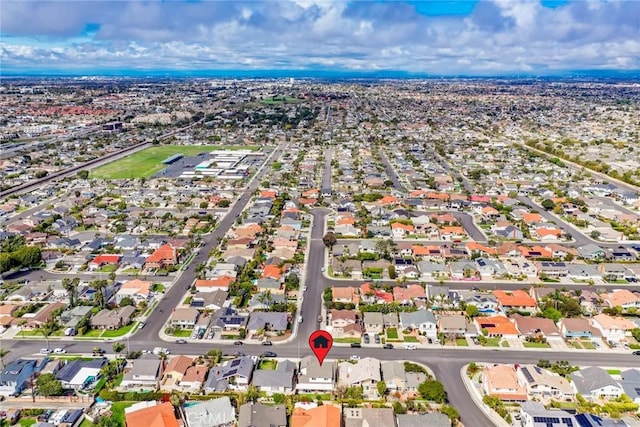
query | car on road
(45,351)
(299,319)
(410,347)
(304,289)
(142,324)
(146,351)
(354,357)
(238,343)
(268,354)
(388,346)
(267,343)
(636,353)
(320,318)
(356,345)
(181,341)
(59,351)
(322,269)
(98,350)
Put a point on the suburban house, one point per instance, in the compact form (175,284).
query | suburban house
(623,298)
(216,284)
(112,319)
(211,413)
(399,380)
(422,320)
(536,327)
(515,300)
(143,373)
(233,374)
(614,329)
(579,328)
(162,257)
(630,383)
(17,375)
(347,295)
(366,417)
(531,414)
(321,416)
(502,381)
(79,374)
(174,372)
(542,384)
(364,373)
(432,419)
(454,325)
(184,317)
(151,414)
(137,290)
(595,383)
(314,378)
(496,326)
(256,414)
(373,322)
(267,321)
(279,380)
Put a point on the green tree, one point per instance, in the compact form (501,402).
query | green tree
(330,240)
(6,262)
(224,203)
(472,311)
(127,301)
(382,388)
(27,256)
(48,385)
(398,408)
(433,390)
(252,393)
(83,174)
(354,393)
(547,204)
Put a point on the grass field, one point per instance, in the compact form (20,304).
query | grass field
(461,342)
(148,162)
(277,100)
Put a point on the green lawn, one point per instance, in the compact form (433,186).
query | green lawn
(347,340)
(613,371)
(26,422)
(392,333)
(410,338)
(118,332)
(86,423)
(279,100)
(117,408)
(588,345)
(147,162)
(461,342)
(268,364)
(492,342)
(108,268)
(93,333)
(576,344)
(180,333)
(504,344)
(536,345)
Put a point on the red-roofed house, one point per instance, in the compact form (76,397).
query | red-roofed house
(374,296)
(497,326)
(218,284)
(102,260)
(271,272)
(400,230)
(515,300)
(163,256)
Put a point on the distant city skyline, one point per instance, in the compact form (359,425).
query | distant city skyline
(371,38)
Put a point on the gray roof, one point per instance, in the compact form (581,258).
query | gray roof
(219,376)
(12,370)
(366,417)
(259,415)
(416,318)
(145,367)
(536,409)
(434,419)
(276,321)
(589,379)
(394,369)
(373,317)
(211,413)
(310,368)
(72,368)
(631,383)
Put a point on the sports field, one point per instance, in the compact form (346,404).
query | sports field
(148,162)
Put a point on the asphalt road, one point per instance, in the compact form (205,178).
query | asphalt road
(391,173)
(326,171)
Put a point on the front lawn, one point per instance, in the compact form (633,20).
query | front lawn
(180,333)
(93,333)
(347,340)
(588,345)
(492,342)
(268,364)
(536,345)
(461,342)
(117,409)
(410,338)
(613,371)
(392,333)
(118,332)
(26,422)
(109,268)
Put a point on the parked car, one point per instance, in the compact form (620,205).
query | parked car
(267,343)
(636,353)
(410,347)
(142,324)
(319,318)
(367,340)
(98,350)
(59,350)
(268,354)
(45,351)
(238,343)
(181,341)
(356,345)
(376,338)
(354,357)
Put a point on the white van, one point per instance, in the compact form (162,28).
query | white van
(410,347)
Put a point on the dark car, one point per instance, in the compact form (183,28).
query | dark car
(238,343)
(267,343)
(388,346)
(356,345)
(367,340)
(268,354)
(636,353)
(98,350)
(181,341)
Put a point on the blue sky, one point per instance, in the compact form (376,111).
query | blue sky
(434,37)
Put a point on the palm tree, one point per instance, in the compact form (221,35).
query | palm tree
(118,347)
(266,298)
(48,328)
(71,286)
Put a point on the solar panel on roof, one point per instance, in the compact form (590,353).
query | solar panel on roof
(235,363)
(527,374)
(232,372)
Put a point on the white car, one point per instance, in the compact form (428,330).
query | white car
(304,289)
(322,269)
(45,351)
(354,357)
(410,347)
(59,350)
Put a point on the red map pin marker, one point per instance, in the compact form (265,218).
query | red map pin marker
(320,343)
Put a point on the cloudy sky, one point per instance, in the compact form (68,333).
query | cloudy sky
(435,37)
